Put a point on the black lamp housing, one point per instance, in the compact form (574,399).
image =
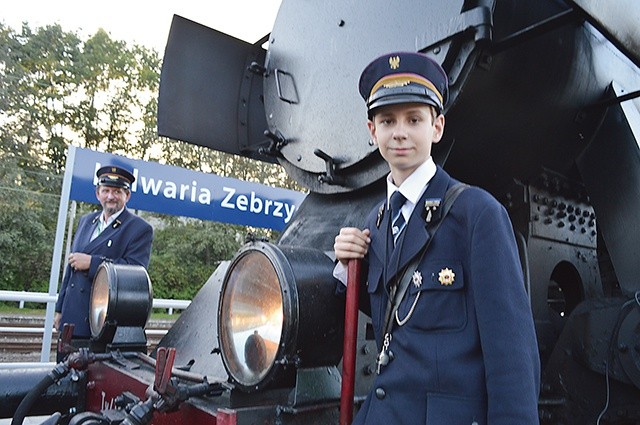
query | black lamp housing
(121,302)
(278,313)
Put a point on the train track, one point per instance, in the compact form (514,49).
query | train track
(26,344)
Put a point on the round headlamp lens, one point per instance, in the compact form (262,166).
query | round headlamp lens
(99,304)
(251,318)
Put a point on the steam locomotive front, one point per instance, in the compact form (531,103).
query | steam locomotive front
(543,113)
(535,89)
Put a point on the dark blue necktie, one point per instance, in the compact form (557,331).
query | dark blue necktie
(397,219)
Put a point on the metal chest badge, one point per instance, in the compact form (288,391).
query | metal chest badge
(430,206)
(446,276)
(380,215)
(416,278)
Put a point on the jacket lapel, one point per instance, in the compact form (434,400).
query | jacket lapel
(86,233)
(415,235)
(109,231)
(379,233)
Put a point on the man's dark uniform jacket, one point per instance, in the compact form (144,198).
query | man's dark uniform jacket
(126,241)
(468,352)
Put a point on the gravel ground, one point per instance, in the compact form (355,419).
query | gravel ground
(23,357)
(10,319)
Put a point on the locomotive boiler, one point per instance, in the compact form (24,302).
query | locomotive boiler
(543,113)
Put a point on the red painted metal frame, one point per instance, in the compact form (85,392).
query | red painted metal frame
(107,381)
(350,337)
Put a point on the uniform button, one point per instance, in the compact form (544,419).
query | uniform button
(81,289)
(73,285)
(380,393)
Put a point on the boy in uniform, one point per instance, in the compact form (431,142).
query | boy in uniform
(450,312)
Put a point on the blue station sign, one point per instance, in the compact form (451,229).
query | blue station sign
(177,191)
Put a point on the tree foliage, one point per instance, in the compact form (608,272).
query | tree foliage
(27,227)
(57,90)
(186,254)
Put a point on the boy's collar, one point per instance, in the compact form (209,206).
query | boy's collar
(413,186)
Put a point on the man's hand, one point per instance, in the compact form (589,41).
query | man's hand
(56,321)
(79,261)
(351,243)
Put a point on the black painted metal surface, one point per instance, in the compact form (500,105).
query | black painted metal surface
(16,383)
(207,95)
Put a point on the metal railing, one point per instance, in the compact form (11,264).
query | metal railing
(41,297)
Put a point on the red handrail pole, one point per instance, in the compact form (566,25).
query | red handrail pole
(350,338)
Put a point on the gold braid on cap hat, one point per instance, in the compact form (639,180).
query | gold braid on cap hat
(114,177)
(400,80)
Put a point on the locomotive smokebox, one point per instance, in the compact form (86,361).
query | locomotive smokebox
(298,102)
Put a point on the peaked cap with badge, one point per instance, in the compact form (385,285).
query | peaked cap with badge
(112,175)
(404,77)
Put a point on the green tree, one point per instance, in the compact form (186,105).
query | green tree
(38,76)
(187,253)
(56,90)
(27,227)
(118,86)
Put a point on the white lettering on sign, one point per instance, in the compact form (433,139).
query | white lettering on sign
(257,205)
(170,190)
(252,203)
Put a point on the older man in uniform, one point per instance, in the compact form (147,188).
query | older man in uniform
(114,235)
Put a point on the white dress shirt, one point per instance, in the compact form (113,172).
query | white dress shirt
(103,224)
(412,188)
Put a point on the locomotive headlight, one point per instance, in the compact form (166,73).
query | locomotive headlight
(120,305)
(99,302)
(278,312)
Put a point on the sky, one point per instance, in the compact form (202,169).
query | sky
(144,22)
